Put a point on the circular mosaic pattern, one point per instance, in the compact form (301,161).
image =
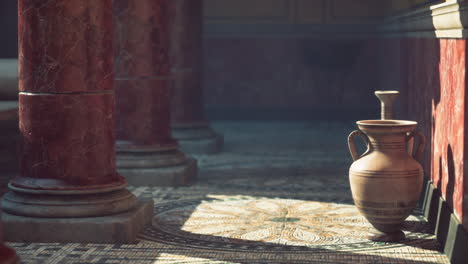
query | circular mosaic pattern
(249,223)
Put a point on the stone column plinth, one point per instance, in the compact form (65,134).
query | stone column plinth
(146,152)
(189,125)
(68,189)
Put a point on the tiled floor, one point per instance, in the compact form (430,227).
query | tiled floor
(277,194)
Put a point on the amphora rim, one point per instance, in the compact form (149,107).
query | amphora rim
(390,125)
(386,92)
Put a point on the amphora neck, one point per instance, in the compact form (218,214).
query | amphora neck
(396,141)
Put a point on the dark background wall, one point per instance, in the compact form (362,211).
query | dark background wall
(283,59)
(298,77)
(9,29)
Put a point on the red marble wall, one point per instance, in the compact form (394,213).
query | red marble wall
(433,82)
(290,73)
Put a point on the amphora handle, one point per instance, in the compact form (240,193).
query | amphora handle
(422,144)
(352,146)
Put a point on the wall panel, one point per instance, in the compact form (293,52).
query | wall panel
(291,11)
(311,11)
(356,10)
(248,11)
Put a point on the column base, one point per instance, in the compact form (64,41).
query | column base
(69,204)
(112,229)
(183,174)
(8,255)
(198,140)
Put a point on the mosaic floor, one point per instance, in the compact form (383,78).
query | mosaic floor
(278,194)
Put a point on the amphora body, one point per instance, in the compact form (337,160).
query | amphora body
(386,180)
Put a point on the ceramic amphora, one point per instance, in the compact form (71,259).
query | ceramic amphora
(386,180)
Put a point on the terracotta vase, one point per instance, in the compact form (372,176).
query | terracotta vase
(386,180)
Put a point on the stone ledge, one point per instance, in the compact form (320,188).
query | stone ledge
(199,146)
(445,20)
(319,31)
(445,225)
(179,175)
(113,229)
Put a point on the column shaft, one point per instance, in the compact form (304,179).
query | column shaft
(185,54)
(66,122)
(189,124)
(66,99)
(147,153)
(142,74)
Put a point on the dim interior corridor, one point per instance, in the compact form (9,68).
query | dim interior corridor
(104,102)
(279,193)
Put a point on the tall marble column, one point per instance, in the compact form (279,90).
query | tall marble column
(68,189)
(146,152)
(189,125)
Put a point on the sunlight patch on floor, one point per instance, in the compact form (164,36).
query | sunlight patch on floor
(240,219)
(180,259)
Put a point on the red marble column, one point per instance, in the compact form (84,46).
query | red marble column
(66,117)
(147,153)
(7,254)
(188,120)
